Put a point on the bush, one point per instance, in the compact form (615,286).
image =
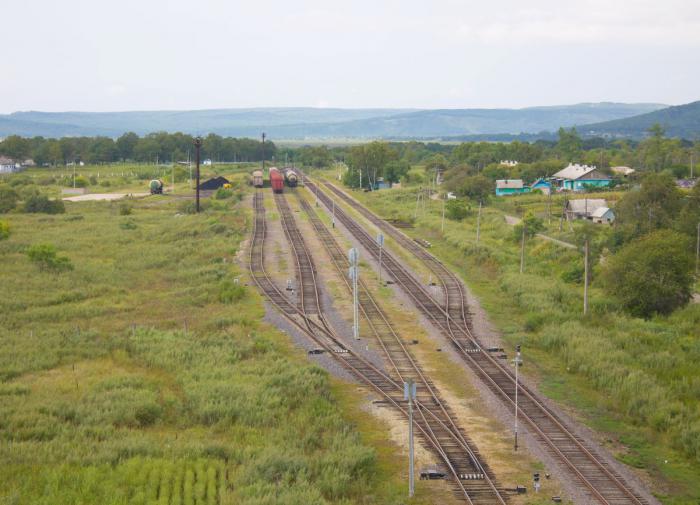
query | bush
(41,203)
(223,193)
(129,224)
(532,224)
(188,207)
(47,259)
(93,180)
(456,210)
(651,275)
(125,209)
(105,183)
(574,274)
(80,182)
(4,230)
(231,292)
(8,199)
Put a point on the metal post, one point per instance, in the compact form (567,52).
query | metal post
(585,280)
(380,242)
(697,252)
(442,227)
(353,257)
(518,361)
(197,145)
(478,223)
(263,154)
(409,392)
(522,250)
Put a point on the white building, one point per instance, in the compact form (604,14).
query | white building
(8,165)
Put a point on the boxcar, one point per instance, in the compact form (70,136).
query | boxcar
(276,180)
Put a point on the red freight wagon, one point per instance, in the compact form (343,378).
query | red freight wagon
(276,180)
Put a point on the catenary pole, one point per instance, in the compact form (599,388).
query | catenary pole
(522,250)
(585,278)
(197,146)
(478,224)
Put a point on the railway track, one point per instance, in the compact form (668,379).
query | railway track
(463,455)
(594,474)
(437,435)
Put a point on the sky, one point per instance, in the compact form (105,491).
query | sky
(106,55)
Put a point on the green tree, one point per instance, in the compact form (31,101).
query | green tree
(652,275)
(41,204)
(532,225)
(456,210)
(655,205)
(4,230)
(477,188)
(15,147)
(126,145)
(569,145)
(395,170)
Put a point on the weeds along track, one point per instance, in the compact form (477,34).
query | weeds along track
(436,434)
(454,442)
(600,481)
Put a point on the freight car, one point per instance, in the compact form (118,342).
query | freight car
(156,187)
(291,177)
(258,179)
(276,180)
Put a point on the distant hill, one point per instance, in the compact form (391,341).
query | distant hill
(307,122)
(679,121)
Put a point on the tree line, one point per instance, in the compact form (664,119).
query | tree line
(158,147)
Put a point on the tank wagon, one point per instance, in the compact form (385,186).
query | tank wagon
(258,179)
(291,177)
(276,180)
(156,187)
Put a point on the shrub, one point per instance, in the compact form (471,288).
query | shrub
(79,182)
(8,199)
(128,224)
(105,184)
(93,180)
(47,259)
(532,224)
(4,230)
(188,207)
(456,210)
(41,203)
(231,292)
(223,193)
(574,274)
(651,275)
(125,209)
(46,180)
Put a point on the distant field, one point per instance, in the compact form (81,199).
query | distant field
(145,375)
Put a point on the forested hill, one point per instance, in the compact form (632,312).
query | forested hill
(680,121)
(308,122)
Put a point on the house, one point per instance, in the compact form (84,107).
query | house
(623,171)
(509,163)
(8,165)
(382,184)
(603,215)
(540,184)
(511,187)
(212,184)
(576,177)
(584,208)
(207,162)
(28,163)
(686,183)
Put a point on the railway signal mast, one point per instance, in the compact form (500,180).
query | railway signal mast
(517,361)
(353,258)
(380,243)
(409,393)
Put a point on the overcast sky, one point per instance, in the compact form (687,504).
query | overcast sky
(106,55)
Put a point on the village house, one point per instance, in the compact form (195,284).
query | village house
(509,163)
(505,187)
(583,208)
(623,171)
(603,215)
(8,165)
(577,177)
(542,185)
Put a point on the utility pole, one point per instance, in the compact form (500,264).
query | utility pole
(697,252)
(380,243)
(263,154)
(333,215)
(415,214)
(478,224)
(522,250)
(585,279)
(197,146)
(442,227)
(692,159)
(409,393)
(518,361)
(353,258)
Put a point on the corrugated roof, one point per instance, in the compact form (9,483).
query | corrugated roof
(574,171)
(600,212)
(622,170)
(586,206)
(509,184)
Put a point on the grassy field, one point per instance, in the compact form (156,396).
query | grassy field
(635,381)
(142,373)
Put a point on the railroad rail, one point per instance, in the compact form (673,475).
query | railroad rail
(454,442)
(601,482)
(436,434)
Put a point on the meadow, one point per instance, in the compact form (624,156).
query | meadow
(143,372)
(636,381)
